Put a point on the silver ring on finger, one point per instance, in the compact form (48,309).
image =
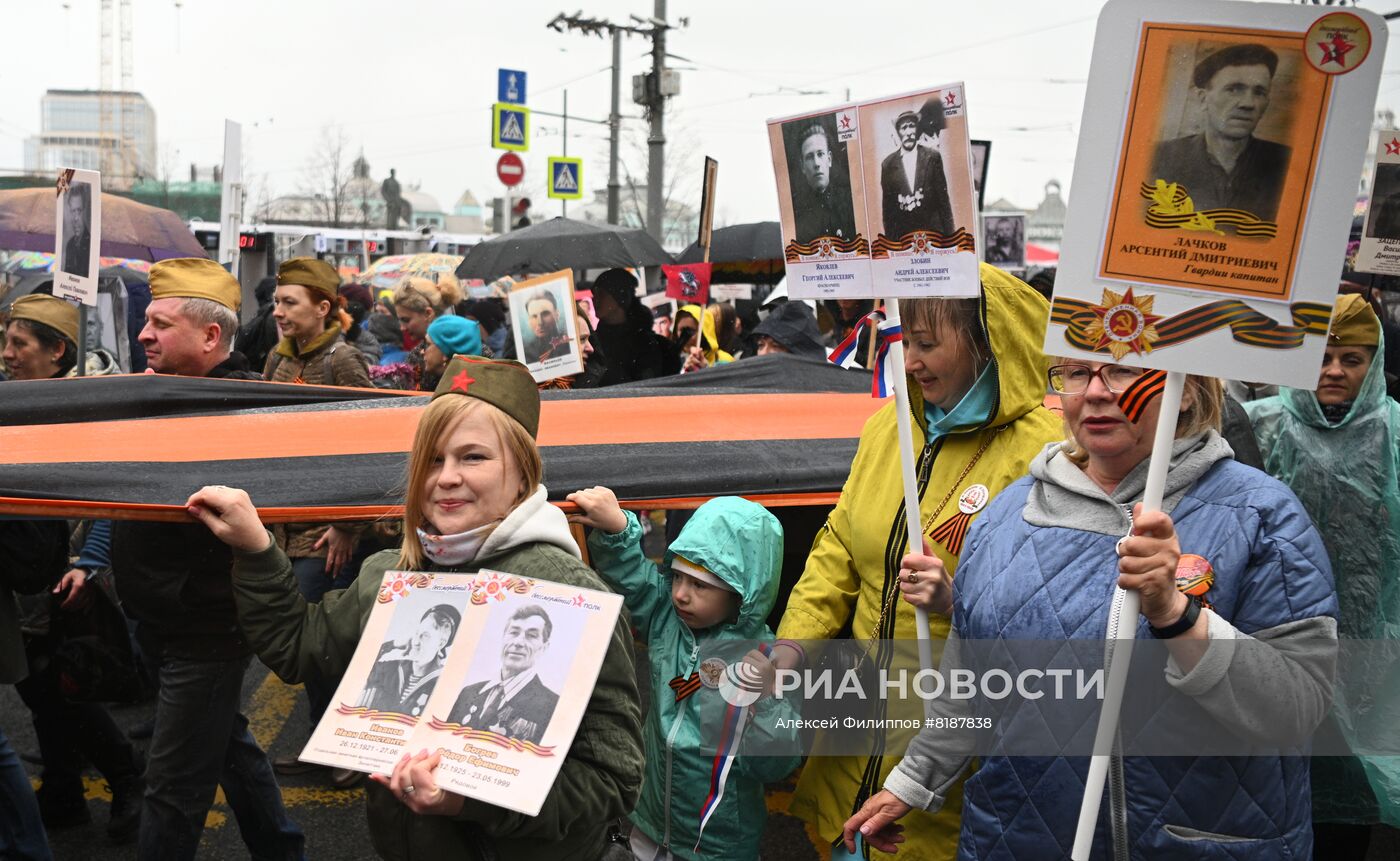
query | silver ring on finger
(408,790)
(912,577)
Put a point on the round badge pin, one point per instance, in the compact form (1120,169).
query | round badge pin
(1337,42)
(974,499)
(711,671)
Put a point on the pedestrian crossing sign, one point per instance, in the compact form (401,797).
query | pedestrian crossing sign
(510,127)
(565,178)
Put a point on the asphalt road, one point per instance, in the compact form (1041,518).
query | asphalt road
(333,820)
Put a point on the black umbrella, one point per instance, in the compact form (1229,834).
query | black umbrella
(742,254)
(561,243)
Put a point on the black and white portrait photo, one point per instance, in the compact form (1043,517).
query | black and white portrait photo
(819,177)
(406,670)
(1222,123)
(1005,240)
(913,184)
(77,229)
(513,699)
(981,154)
(1383,220)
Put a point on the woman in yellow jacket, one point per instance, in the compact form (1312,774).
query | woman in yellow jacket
(976,388)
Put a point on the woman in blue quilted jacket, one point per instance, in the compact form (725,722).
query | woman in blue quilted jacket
(1245,664)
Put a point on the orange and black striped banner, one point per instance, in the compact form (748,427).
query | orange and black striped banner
(1245,223)
(1135,398)
(798,252)
(953,532)
(922,241)
(685,687)
(1247,325)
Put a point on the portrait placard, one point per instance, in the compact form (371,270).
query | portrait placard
(981,158)
(1379,251)
(1213,193)
(1004,244)
(78,228)
(821,204)
(921,202)
(492,670)
(877,198)
(545,326)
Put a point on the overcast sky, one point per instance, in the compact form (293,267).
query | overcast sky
(412,81)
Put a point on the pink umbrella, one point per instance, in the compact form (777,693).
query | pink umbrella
(129,229)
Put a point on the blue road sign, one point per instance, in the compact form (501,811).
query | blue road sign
(510,86)
(510,127)
(565,178)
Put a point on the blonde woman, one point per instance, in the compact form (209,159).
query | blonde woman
(474,500)
(418,302)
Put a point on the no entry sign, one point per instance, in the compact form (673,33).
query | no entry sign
(510,169)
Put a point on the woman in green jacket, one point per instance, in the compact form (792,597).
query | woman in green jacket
(473,501)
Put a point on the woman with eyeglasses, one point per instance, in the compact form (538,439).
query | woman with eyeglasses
(1231,575)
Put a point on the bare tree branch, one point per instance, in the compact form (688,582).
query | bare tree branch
(327,175)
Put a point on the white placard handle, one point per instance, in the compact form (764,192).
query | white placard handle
(1126,628)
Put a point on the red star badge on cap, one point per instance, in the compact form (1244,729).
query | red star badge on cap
(462,381)
(1393,148)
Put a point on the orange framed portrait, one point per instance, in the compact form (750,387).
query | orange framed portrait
(1218,160)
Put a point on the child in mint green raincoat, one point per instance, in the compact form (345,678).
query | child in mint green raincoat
(718,583)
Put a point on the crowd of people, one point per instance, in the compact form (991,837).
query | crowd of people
(1290,498)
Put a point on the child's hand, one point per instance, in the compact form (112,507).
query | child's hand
(924,583)
(599,509)
(763,670)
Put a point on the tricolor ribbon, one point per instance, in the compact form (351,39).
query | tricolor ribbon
(732,733)
(882,386)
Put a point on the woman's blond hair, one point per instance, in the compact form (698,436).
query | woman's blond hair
(437,422)
(422,295)
(1207,398)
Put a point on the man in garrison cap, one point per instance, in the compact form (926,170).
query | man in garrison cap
(175,581)
(913,187)
(1225,165)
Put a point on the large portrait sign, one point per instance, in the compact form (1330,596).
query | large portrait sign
(821,202)
(492,670)
(878,199)
(544,324)
(1379,251)
(1213,193)
(922,205)
(78,228)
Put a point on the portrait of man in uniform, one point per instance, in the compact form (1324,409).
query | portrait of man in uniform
(1006,240)
(544,338)
(1226,164)
(819,178)
(513,701)
(406,670)
(913,186)
(77,229)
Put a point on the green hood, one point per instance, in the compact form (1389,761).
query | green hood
(1302,403)
(1014,317)
(742,544)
